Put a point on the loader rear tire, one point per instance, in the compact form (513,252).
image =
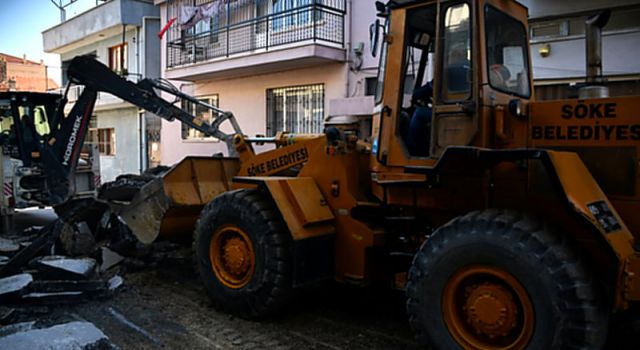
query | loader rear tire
(242,253)
(502,280)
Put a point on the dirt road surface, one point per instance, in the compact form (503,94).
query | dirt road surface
(166,308)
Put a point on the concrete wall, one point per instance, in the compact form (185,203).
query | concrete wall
(363,15)
(143,48)
(101,48)
(150,48)
(567,58)
(104,17)
(246,98)
(124,121)
(545,8)
(28,77)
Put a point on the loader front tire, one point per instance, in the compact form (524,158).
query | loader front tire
(241,247)
(498,279)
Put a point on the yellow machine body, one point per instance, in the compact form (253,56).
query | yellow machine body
(573,162)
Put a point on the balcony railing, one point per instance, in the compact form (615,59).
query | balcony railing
(237,30)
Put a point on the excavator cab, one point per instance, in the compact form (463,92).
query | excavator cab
(25,123)
(29,122)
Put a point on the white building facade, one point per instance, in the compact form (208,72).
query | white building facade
(123,35)
(277,65)
(557,33)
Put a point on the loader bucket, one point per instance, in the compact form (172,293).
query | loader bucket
(170,204)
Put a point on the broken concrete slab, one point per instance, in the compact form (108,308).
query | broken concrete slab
(53,298)
(109,259)
(115,282)
(16,327)
(77,239)
(8,246)
(46,237)
(68,286)
(6,314)
(63,268)
(4,260)
(69,336)
(14,285)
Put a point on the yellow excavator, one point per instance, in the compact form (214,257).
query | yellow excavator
(510,223)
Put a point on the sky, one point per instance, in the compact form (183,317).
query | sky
(23,22)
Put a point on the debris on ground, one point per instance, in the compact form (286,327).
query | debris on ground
(77,239)
(73,260)
(109,259)
(72,336)
(14,286)
(60,267)
(16,328)
(8,246)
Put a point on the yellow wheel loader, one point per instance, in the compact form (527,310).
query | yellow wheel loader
(510,223)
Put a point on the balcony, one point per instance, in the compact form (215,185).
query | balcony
(237,42)
(104,20)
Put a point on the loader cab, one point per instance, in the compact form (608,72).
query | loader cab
(449,72)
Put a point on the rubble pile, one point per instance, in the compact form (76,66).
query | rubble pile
(42,266)
(77,258)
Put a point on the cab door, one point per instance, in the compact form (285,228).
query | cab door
(455,121)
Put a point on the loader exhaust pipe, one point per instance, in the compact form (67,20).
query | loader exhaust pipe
(594,87)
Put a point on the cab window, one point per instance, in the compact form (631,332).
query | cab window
(41,120)
(6,118)
(415,115)
(382,66)
(507,55)
(456,55)
(36,118)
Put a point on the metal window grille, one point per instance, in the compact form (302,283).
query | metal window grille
(297,109)
(253,26)
(189,133)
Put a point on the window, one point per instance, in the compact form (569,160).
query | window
(382,65)
(457,54)
(201,112)
(414,119)
(297,13)
(507,53)
(105,138)
(549,29)
(40,120)
(298,109)
(118,58)
(210,26)
(6,118)
(370,86)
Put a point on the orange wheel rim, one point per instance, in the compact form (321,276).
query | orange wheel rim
(485,307)
(232,256)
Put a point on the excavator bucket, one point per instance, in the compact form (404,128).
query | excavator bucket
(169,204)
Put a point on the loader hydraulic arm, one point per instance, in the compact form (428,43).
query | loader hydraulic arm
(62,149)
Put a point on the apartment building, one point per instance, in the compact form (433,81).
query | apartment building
(123,35)
(21,74)
(276,64)
(288,64)
(557,33)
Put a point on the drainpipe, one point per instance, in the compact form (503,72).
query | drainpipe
(138,70)
(593,41)
(349,17)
